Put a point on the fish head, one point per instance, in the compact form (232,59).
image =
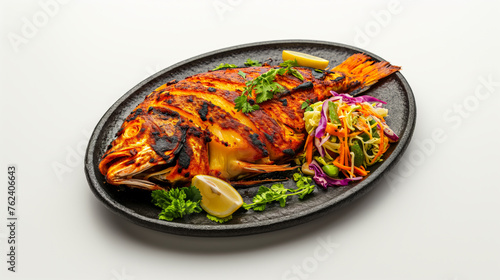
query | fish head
(148,142)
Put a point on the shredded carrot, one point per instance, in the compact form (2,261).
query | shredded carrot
(346,129)
(347,152)
(341,166)
(364,112)
(369,109)
(346,173)
(355,134)
(381,146)
(360,171)
(341,109)
(365,127)
(309,149)
(333,130)
(341,151)
(368,132)
(346,143)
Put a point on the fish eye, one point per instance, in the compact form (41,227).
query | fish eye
(132,130)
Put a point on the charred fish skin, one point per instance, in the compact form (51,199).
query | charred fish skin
(190,127)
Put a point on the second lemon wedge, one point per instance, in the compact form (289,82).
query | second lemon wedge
(219,198)
(305,60)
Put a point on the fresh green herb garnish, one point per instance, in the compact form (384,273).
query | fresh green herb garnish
(251,62)
(332,111)
(219,220)
(289,64)
(264,86)
(266,195)
(224,65)
(177,203)
(242,74)
(306,105)
(241,104)
(278,193)
(303,182)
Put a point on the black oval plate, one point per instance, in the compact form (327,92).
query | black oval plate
(136,204)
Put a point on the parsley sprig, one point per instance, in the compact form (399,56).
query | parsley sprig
(289,64)
(177,203)
(242,104)
(278,193)
(219,220)
(251,63)
(306,106)
(224,65)
(264,86)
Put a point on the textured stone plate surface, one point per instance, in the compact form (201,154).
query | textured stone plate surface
(136,205)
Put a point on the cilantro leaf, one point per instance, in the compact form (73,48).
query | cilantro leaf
(278,193)
(289,63)
(281,71)
(178,209)
(174,203)
(266,91)
(258,207)
(219,220)
(303,184)
(163,198)
(296,176)
(224,65)
(263,189)
(279,189)
(306,106)
(264,87)
(251,62)
(242,74)
(192,193)
(296,73)
(242,104)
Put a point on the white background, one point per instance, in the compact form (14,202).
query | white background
(437,217)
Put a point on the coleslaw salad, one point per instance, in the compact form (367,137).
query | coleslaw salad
(346,135)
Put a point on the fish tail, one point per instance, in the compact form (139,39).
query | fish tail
(361,72)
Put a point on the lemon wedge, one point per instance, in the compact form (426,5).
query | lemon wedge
(305,60)
(219,198)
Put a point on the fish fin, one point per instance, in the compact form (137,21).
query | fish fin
(246,183)
(138,183)
(361,72)
(263,168)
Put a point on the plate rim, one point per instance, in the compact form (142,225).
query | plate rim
(225,230)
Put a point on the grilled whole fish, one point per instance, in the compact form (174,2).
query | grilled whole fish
(191,127)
